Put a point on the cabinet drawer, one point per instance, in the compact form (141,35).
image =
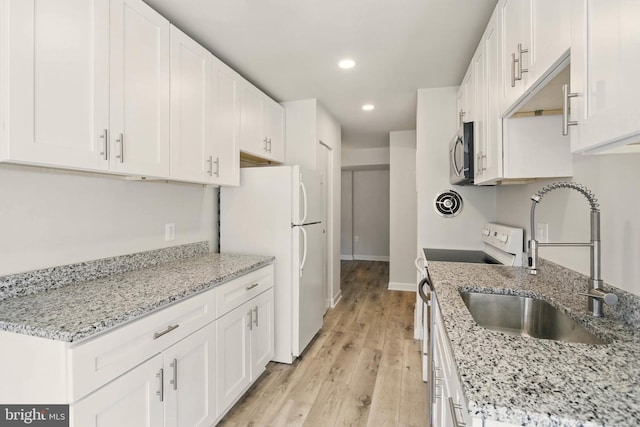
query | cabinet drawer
(238,291)
(103,358)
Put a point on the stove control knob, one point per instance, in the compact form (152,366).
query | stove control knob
(503,238)
(485,232)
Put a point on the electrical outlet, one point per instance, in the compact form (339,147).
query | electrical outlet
(169,232)
(542,232)
(356,239)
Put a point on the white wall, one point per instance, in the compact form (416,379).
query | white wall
(371,215)
(614,180)
(346,217)
(50,218)
(435,127)
(301,133)
(402,210)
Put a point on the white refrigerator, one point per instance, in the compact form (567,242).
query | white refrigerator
(278,211)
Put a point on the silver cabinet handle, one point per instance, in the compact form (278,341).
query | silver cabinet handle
(453,406)
(217,172)
(265,140)
(250,315)
(252,286)
(160,392)
(565,109)
(520,69)
(210,167)
(166,331)
(174,381)
(120,141)
(269,145)
(105,144)
(461,118)
(255,311)
(513,69)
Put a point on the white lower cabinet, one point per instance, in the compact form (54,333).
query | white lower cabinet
(174,388)
(245,345)
(132,399)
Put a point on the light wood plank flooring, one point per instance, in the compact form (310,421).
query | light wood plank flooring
(362,369)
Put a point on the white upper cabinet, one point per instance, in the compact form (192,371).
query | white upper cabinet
(88,86)
(191,110)
(261,125)
(466,98)
(535,46)
(140,89)
(226,125)
(488,144)
(605,65)
(56,64)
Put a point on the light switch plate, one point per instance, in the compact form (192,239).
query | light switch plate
(169,232)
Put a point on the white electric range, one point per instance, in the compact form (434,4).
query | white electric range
(502,245)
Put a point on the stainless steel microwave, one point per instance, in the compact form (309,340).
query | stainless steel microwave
(461,156)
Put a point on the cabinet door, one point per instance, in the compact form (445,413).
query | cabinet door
(232,355)
(191,104)
(516,36)
(252,138)
(262,340)
(139,89)
(189,380)
(605,66)
(480,111)
(551,35)
(57,96)
(134,399)
(491,157)
(274,122)
(226,118)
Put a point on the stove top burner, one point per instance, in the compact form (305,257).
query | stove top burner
(458,255)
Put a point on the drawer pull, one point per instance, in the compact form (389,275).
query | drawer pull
(166,331)
(453,407)
(252,286)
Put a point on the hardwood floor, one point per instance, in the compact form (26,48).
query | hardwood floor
(362,369)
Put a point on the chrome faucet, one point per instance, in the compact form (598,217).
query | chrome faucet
(596,296)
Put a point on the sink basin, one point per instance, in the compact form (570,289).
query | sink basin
(515,315)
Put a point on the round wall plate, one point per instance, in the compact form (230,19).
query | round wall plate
(448,204)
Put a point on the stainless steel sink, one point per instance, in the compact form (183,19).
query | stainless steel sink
(515,315)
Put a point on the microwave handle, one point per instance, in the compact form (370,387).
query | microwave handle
(456,169)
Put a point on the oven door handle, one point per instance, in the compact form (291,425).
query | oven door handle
(425,297)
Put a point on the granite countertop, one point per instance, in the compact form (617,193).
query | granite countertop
(535,382)
(82,309)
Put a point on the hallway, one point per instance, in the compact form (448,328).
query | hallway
(362,369)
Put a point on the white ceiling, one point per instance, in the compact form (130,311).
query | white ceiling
(290,49)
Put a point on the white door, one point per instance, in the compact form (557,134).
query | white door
(324,168)
(261,332)
(191,104)
(226,120)
(551,32)
(134,399)
(232,355)
(57,98)
(492,151)
(140,89)
(307,289)
(190,381)
(516,25)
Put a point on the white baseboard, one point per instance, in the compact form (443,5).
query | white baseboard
(370,258)
(400,286)
(336,299)
(346,257)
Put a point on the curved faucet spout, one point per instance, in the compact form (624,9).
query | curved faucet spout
(595,299)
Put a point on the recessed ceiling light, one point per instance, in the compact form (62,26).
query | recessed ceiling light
(368,107)
(347,63)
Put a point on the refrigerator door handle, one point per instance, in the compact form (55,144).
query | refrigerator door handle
(303,191)
(304,249)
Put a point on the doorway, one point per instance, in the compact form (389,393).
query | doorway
(324,168)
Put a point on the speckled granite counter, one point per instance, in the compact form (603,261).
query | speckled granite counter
(79,310)
(535,382)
